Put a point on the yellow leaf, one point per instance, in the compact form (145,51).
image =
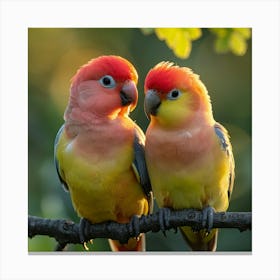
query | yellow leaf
(171,37)
(245,32)
(183,45)
(162,33)
(179,39)
(194,33)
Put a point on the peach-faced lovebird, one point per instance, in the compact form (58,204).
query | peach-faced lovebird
(99,151)
(189,155)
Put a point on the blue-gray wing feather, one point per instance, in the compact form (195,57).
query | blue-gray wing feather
(58,170)
(140,164)
(222,134)
(141,167)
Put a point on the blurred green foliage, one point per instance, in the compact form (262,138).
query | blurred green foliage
(55,54)
(231,39)
(180,39)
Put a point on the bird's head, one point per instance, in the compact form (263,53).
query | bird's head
(105,86)
(173,95)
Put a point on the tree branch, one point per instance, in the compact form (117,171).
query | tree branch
(65,231)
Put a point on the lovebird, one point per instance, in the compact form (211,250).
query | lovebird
(99,150)
(188,154)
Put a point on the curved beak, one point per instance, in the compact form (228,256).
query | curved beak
(151,103)
(129,94)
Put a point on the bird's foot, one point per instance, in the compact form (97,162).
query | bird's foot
(134,227)
(208,218)
(83,232)
(164,214)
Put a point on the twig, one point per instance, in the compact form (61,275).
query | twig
(65,231)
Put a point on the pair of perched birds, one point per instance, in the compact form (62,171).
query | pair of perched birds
(112,171)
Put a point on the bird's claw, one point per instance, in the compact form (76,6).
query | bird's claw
(134,227)
(208,218)
(164,214)
(83,232)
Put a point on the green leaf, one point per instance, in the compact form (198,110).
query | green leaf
(231,39)
(180,39)
(220,32)
(237,44)
(221,45)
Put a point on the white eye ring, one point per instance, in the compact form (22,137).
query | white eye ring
(107,81)
(174,94)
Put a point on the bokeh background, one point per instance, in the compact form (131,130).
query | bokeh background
(55,54)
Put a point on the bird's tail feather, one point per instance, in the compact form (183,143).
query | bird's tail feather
(133,244)
(201,240)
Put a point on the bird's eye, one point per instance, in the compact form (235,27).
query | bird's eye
(173,94)
(107,81)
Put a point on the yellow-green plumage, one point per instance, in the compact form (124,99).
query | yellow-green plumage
(189,156)
(101,185)
(99,151)
(176,160)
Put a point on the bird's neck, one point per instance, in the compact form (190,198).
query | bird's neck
(192,122)
(201,118)
(77,120)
